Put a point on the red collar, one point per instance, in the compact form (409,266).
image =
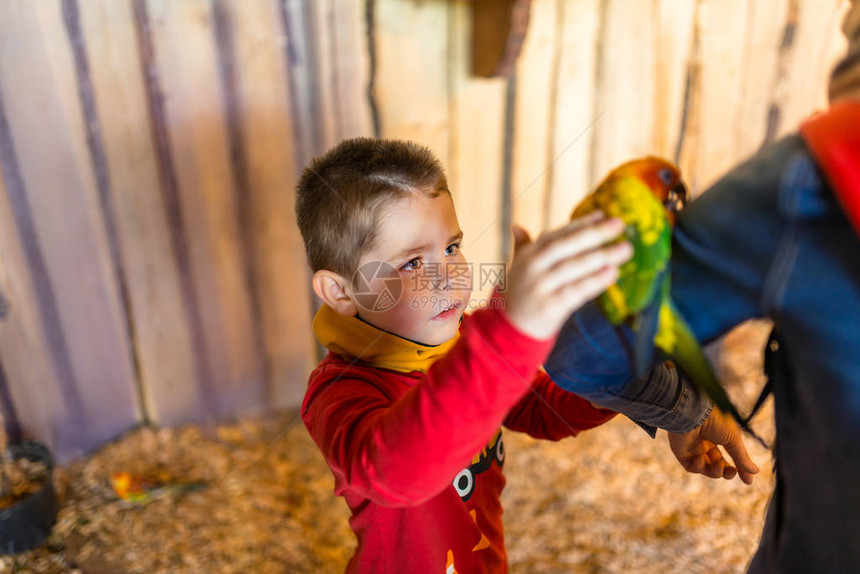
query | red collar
(833,138)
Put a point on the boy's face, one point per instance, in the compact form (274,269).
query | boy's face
(414,282)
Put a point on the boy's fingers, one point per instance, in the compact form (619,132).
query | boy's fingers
(575,242)
(579,267)
(576,223)
(571,226)
(573,295)
(587,219)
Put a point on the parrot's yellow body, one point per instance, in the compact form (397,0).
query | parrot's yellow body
(646,193)
(628,198)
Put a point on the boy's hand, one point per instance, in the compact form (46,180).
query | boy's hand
(561,270)
(698,450)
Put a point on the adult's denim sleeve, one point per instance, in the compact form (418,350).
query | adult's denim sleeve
(591,359)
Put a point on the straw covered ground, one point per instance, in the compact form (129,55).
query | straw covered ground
(612,500)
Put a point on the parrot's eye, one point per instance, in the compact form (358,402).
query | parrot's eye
(666,176)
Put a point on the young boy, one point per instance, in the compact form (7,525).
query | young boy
(407,406)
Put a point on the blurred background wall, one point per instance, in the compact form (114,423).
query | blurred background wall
(150,265)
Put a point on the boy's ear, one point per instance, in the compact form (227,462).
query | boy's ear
(335,291)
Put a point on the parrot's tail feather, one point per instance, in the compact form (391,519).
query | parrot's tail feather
(676,339)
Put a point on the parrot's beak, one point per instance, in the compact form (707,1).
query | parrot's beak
(682,192)
(678,197)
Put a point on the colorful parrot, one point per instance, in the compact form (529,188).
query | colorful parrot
(646,194)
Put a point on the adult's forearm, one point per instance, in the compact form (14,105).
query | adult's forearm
(591,358)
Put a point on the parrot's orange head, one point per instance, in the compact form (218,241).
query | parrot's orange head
(664,180)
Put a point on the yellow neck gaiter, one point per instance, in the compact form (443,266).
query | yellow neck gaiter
(353,338)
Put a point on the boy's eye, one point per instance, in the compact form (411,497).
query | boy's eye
(412,264)
(452,249)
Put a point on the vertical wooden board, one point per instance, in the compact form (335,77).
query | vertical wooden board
(269,151)
(340,68)
(48,132)
(722,29)
(25,353)
(411,83)
(570,179)
(475,169)
(818,44)
(350,65)
(676,22)
(535,77)
(319,33)
(329,66)
(311,120)
(162,336)
(186,58)
(761,65)
(626,84)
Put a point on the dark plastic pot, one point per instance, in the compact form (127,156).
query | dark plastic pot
(27,523)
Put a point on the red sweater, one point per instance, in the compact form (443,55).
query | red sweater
(418,456)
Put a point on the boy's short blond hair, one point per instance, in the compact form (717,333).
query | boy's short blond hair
(341,195)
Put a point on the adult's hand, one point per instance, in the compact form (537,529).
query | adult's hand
(699,453)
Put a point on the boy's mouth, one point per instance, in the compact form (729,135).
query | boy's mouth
(450,311)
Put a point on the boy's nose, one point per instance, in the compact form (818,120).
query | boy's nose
(442,282)
(452,276)
(437,276)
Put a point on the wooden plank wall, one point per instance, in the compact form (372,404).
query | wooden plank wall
(150,266)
